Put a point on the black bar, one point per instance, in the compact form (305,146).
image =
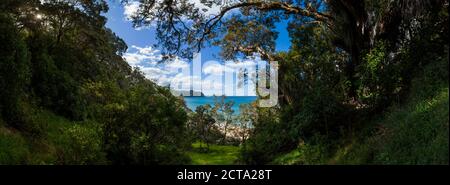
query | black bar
(278,174)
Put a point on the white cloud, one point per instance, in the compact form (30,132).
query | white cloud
(241,64)
(177,63)
(216,69)
(208,11)
(185,83)
(164,74)
(147,50)
(142,56)
(154,71)
(134,58)
(131,9)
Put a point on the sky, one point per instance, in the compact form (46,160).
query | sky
(216,77)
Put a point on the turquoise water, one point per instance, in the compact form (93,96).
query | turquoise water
(193,102)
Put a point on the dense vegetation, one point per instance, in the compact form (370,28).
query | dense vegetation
(363,82)
(68,97)
(374,115)
(391,109)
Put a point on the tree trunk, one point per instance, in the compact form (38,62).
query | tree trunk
(350,72)
(225,132)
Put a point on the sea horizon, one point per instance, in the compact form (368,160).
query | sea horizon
(192,102)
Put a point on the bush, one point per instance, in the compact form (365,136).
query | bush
(379,78)
(320,114)
(144,151)
(13,147)
(267,139)
(315,151)
(148,129)
(56,89)
(81,144)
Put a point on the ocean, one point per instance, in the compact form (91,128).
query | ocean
(193,102)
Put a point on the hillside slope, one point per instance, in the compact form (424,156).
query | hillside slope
(413,132)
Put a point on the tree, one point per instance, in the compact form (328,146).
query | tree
(228,114)
(250,31)
(14,74)
(223,114)
(204,121)
(59,57)
(247,117)
(179,36)
(183,27)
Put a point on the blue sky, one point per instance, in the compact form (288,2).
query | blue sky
(142,54)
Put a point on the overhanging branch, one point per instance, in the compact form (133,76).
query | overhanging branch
(263,6)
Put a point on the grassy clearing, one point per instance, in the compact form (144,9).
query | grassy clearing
(217,154)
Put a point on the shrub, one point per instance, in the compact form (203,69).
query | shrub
(315,151)
(379,77)
(320,114)
(13,147)
(267,139)
(81,144)
(148,129)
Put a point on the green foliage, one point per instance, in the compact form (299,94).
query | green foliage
(316,151)
(414,132)
(316,105)
(268,137)
(379,77)
(246,120)
(336,78)
(420,135)
(147,129)
(202,125)
(56,89)
(67,62)
(14,75)
(417,133)
(13,147)
(81,144)
(222,113)
(321,114)
(312,96)
(61,142)
(332,88)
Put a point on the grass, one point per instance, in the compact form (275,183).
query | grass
(290,158)
(16,148)
(416,133)
(50,148)
(13,147)
(217,154)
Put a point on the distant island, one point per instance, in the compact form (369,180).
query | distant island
(187,93)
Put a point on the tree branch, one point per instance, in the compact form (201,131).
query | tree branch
(263,6)
(256,49)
